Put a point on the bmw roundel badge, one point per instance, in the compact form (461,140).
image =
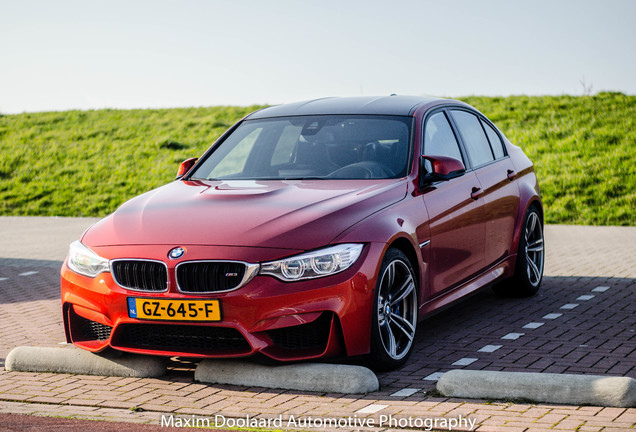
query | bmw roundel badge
(176,253)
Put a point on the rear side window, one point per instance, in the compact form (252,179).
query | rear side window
(474,138)
(439,139)
(495,141)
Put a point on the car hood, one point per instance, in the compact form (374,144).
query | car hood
(278,214)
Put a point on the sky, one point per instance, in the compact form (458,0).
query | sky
(60,55)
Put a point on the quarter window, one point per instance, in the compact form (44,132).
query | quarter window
(495,141)
(474,138)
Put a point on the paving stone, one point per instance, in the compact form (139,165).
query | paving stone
(595,338)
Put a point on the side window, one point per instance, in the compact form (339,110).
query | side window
(439,139)
(474,138)
(495,141)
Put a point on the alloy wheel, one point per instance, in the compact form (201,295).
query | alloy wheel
(534,249)
(397,309)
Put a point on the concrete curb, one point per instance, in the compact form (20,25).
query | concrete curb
(78,361)
(564,389)
(318,377)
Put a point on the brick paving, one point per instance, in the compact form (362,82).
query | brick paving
(582,321)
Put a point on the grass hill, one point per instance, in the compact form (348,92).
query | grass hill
(86,163)
(583,148)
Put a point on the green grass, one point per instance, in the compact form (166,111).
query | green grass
(86,163)
(583,148)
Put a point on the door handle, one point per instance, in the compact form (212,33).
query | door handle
(476,193)
(511,175)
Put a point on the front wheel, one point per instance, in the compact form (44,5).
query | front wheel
(530,259)
(394,313)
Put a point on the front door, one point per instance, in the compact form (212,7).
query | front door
(456,218)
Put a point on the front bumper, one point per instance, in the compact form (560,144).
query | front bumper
(285,321)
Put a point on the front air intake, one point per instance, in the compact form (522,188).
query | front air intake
(83,329)
(182,338)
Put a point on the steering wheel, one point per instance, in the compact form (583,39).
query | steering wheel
(363,170)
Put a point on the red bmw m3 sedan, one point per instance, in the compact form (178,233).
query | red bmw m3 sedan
(313,229)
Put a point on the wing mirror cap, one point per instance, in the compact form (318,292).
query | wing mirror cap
(444,168)
(185,166)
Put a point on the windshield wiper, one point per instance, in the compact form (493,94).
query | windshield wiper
(304,178)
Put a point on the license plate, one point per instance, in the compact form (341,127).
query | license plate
(174,310)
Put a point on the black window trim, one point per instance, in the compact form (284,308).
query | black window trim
(498,133)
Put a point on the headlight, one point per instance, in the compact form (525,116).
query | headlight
(84,261)
(323,262)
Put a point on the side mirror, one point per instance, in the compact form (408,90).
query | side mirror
(444,168)
(185,167)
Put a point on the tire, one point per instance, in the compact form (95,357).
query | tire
(395,310)
(530,259)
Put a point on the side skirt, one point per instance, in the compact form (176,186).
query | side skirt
(495,273)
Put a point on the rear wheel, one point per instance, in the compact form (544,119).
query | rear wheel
(530,259)
(394,313)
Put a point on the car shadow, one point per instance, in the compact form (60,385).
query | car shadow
(543,333)
(580,325)
(23,280)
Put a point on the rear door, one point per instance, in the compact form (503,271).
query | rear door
(495,172)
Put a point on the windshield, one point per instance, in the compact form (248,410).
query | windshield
(312,147)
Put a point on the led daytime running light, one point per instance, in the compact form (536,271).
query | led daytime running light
(320,263)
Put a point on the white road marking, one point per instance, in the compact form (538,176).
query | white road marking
(533,325)
(435,376)
(489,348)
(465,361)
(373,408)
(512,336)
(601,289)
(405,392)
